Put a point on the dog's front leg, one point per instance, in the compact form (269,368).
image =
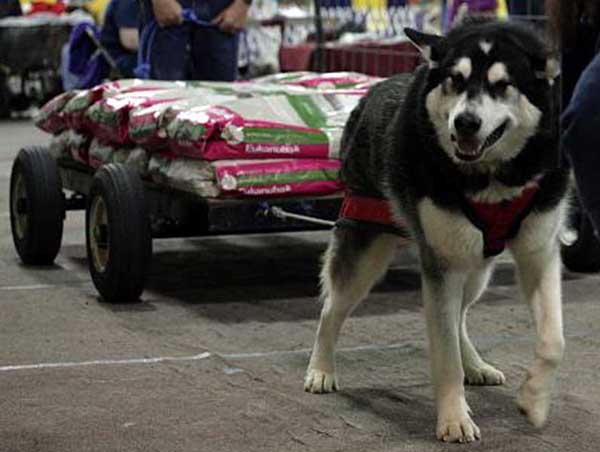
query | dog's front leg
(442,296)
(537,256)
(540,278)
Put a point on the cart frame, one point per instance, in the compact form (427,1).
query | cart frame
(176,213)
(125,213)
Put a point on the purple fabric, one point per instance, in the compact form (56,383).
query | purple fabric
(85,61)
(474,6)
(81,48)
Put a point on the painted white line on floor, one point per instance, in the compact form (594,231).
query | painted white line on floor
(43,286)
(64,265)
(29,287)
(104,362)
(232,356)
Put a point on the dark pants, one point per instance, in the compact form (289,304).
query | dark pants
(10,8)
(192,52)
(581,139)
(126,63)
(526,7)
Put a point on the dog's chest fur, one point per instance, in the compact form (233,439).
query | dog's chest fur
(453,237)
(450,235)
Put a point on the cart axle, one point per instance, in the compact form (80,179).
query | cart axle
(75,202)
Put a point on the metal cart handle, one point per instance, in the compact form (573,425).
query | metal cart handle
(284,215)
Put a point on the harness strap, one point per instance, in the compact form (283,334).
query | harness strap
(498,222)
(362,208)
(368,213)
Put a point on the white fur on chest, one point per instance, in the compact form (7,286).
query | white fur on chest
(455,240)
(450,235)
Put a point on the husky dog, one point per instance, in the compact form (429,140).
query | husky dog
(462,155)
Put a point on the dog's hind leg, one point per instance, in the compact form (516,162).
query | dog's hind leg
(477,371)
(354,262)
(537,255)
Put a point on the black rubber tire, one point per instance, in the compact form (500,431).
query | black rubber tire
(128,237)
(4,97)
(4,106)
(39,241)
(583,255)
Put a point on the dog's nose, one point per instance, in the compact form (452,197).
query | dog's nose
(467,123)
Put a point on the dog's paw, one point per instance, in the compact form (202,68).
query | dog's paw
(319,382)
(484,375)
(534,403)
(458,430)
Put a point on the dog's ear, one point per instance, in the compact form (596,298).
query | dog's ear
(429,45)
(551,70)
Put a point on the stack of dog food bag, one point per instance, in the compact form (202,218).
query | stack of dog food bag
(274,136)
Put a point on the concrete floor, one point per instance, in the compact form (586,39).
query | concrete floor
(214,356)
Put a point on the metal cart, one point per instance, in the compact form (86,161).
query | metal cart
(124,213)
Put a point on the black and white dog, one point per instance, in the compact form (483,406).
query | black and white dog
(462,155)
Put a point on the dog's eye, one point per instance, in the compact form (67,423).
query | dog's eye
(458,81)
(501,86)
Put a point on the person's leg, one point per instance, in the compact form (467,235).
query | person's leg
(580,140)
(215,55)
(126,64)
(526,7)
(518,7)
(170,53)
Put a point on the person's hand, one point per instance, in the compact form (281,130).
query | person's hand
(233,18)
(167,12)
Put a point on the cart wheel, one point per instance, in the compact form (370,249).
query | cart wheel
(118,239)
(37,208)
(580,248)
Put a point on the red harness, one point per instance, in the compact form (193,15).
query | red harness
(370,210)
(498,222)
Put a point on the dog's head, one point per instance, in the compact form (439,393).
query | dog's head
(488,88)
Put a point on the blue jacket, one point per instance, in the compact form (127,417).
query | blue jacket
(580,140)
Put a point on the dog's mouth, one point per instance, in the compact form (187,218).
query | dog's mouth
(469,149)
(496,134)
